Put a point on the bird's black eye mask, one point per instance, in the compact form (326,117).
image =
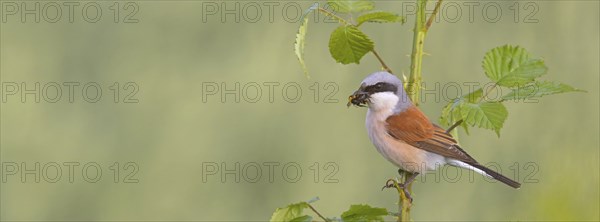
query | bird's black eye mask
(361,96)
(381,87)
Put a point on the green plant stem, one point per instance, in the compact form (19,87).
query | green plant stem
(413,89)
(416,58)
(404,202)
(422,25)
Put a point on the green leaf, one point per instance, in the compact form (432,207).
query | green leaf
(299,44)
(511,66)
(488,115)
(348,45)
(300,39)
(474,96)
(539,89)
(451,114)
(364,212)
(379,17)
(347,6)
(290,213)
(304,218)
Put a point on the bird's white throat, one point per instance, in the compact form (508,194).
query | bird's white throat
(383,101)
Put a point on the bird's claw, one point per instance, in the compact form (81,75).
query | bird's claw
(391,184)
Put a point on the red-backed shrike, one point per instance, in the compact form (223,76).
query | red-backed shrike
(405,136)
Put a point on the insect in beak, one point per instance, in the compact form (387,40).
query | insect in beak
(358,98)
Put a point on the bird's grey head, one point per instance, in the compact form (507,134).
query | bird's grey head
(378,86)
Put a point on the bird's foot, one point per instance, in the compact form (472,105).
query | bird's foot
(391,183)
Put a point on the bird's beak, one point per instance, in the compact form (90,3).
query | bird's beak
(358,98)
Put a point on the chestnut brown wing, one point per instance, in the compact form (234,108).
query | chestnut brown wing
(413,127)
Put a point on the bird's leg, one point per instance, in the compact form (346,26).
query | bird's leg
(410,179)
(404,185)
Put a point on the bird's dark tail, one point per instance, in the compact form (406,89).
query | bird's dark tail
(497,176)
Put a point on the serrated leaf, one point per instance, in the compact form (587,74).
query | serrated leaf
(347,6)
(364,212)
(488,115)
(451,112)
(289,213)
(300,39)
(299,45)
(348,45)
(304,218)
(379,17)
(539,89)
(511,66)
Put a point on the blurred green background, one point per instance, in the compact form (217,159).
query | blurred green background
(171,133)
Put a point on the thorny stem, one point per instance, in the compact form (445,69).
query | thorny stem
(414,80)
(414,84)
(405,202)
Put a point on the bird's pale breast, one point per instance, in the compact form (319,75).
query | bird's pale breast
(401,154)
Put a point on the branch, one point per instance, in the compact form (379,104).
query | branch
(432,16)
(454,126)
(413,88)
(381,61)
(404,203)
(414,83)
(414,80)
(317,212)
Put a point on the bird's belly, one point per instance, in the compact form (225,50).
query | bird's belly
(401,154)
